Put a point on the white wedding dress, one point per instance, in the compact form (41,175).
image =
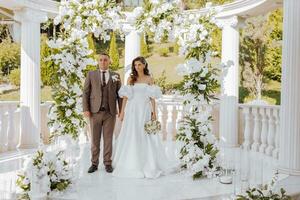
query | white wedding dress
(137,154)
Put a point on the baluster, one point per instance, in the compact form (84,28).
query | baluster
(164,121)
(17,124)
(271,132)
(264,130)
(3,129)
(277,132)
(179,116)
(174,121)
(256,132)
(247,135)
(11,132)
(169,122)
(45,132)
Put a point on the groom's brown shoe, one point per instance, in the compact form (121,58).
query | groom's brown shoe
(92,169)
(109,168)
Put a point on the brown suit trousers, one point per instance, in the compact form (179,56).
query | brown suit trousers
(101,122)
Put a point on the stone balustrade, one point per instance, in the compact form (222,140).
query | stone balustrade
(258,125)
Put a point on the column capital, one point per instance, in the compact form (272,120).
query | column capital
(30,15)
(128,28)
(232,21)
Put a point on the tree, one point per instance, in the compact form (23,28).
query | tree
(91,43)
(48,68)
(144,47)
(113,52)
(253,53)
(4,32)
(274,52)
(9,56)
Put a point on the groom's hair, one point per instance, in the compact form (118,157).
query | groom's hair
(104,54)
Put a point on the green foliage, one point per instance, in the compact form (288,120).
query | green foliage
(164,52)
(9,56)
(48,68)
(4,32)
(2,78)
(176,48)
(167,88)
(92,46)
(253,52)
(260,52)
(216,36)
(274,52)
(192,4)
(113,53)
(258,194)
(14,77)
(144,47)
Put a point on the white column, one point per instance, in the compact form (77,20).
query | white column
(230,82)
(132,49)
(289,147)
(30,115)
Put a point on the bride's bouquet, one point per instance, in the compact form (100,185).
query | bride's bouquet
(152,127)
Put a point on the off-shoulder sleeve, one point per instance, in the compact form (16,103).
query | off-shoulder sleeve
(154,92)
(125,91)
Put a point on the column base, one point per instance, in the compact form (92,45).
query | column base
(290,172)
(28,146)
(291,184)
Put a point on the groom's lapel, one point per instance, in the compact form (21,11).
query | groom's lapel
(98,79)
(110,81)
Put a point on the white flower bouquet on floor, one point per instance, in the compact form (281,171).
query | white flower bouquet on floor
(152,127)
(43,173)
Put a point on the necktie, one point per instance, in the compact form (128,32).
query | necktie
(103,78)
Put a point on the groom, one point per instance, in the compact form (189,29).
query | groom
(100,98)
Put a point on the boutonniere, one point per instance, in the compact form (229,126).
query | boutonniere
(115,78)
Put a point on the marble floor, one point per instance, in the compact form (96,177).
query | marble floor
(102,186)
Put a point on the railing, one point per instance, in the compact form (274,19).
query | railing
(10,125)
(258,125)
(170,111)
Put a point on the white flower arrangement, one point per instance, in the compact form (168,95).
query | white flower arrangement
(72,56)
(44,172)
(162,19)
(199,152)
(152,127)
(157,17)
(115,78)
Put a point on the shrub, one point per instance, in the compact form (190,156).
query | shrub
(9,56)
(163,52)
(48,68)
(14,77)
(113,53)
(2,78)
(144,47)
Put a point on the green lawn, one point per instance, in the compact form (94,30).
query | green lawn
(157,64)
(15,95)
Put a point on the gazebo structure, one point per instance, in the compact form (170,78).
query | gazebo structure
(271,132)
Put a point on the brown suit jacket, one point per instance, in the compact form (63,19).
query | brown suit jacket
(92,92)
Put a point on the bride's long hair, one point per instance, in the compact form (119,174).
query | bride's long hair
(134,73)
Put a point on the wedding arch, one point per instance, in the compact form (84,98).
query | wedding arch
(164,21)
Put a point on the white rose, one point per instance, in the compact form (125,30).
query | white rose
(202,86)
(68,113)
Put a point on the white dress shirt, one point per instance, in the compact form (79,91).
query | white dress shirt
(106,75)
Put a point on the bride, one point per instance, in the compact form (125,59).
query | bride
(137,154)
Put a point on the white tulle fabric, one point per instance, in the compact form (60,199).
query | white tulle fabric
(136,154)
